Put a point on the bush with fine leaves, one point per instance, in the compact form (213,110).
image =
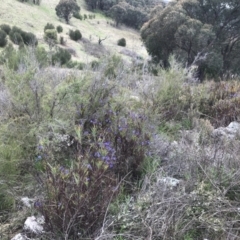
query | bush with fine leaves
(6,28)
(75,35)
(122,42)
(3,38)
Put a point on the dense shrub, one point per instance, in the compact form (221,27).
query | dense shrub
(62,56)
(219,102)
(50,36)
(122,42)
(6,28)
(59,29)
(3,38)
(29,38)
(75,35)
(49,26)
(77,15)
(18,36)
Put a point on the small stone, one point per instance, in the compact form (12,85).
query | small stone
(34,225)
(19,236)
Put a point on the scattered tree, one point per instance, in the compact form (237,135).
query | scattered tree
(206,33)
(118,12)
(66,8)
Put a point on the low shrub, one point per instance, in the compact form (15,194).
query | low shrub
(29,38)
(16,35)
(75,35)
(77,15)
(59,29)
(95,64)
(3,38)
(122,42)
(6,28)
(219,102)
(62,56)
(49,26)
(50,36)
(62,41)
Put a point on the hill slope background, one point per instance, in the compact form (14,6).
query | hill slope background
(33,18)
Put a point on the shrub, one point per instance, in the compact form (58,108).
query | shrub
(29,38)
(75,35)
(50,36)
(59,29)
(49,26)
(62,41)
(16,38)
(16,35)
(66,8)
(6,28)
(95,64)
(3,38)
(62,56)
(77,15)
(122,42)
(110,144)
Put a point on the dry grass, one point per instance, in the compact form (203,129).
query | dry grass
(33,19)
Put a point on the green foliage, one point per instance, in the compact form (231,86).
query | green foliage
(75,35)
(3,38)
(50,36)
(62,56)
(219,102)
(77,15)
(189,30)
(95,64)
(66,8)
(19,36)
(49,26)
(6,28)
(16,35)
(59,29)
(29,38)
(122,42)
(118,12)
(76,65)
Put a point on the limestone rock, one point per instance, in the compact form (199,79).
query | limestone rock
(34,225)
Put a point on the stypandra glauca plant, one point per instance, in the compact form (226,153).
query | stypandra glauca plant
(84,166)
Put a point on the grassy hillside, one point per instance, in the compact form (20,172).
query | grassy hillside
(33,18)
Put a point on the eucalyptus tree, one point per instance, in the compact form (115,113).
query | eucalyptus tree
(207,30)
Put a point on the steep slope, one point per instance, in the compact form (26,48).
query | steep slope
(33,18)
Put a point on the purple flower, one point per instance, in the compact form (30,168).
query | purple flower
(97,155)
(37,204)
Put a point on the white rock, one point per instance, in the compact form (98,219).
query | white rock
(19,236)
(34,225)
(230,131)
(169,181)
(27,202)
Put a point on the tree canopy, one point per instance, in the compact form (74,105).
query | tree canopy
(66,8)
(133,13)
(203,30)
